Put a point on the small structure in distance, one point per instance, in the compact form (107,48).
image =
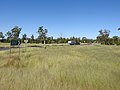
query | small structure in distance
(26,41)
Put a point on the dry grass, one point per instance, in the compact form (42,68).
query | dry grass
(61,68)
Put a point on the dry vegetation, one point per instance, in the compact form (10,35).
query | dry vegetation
(61,68)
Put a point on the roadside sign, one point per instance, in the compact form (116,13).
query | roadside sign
(15,42)
(25,41)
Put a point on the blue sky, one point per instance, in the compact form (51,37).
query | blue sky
(79,18)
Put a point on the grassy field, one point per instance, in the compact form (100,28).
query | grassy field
(61,68)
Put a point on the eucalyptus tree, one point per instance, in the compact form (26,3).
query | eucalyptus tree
(8,35)
(24,37)
(115,39)
(16,32)
(103,36)
(32,38)
(42,34)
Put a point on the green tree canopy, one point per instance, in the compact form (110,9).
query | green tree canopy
(42,33)
(24,36)
(16,32)
(32,37)
(103,35)
(8,35)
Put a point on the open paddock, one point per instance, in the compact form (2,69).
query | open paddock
(78,67)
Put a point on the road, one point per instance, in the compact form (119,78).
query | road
(4,48)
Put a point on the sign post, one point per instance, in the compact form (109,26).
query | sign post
(15,43)
(10,47)
(26,41)
(19,46)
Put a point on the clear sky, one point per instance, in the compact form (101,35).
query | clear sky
(79,18)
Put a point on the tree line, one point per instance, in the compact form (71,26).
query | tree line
(102,38)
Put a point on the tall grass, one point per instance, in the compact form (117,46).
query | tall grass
(61,68)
